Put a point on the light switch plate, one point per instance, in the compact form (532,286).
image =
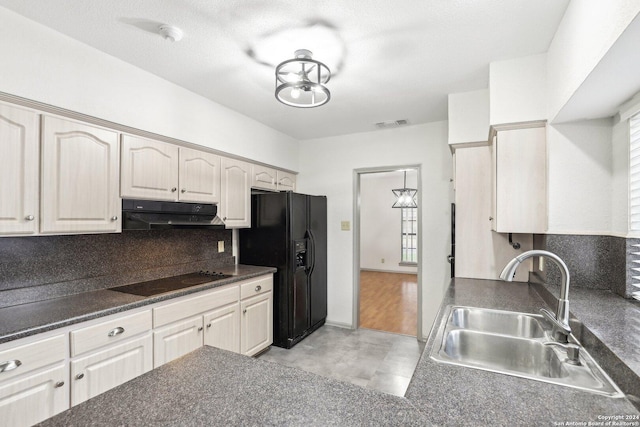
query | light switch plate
(220,245)
(345,225)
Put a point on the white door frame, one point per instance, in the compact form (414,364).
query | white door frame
(356,239)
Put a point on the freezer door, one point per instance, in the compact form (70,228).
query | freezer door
(300,314)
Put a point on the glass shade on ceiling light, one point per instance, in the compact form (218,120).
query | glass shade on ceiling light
(300,81)
(406,197)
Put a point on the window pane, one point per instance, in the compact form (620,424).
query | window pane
(409,235)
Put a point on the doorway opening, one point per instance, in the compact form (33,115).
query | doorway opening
(387,252)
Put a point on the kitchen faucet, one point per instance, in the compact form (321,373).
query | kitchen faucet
(561,328)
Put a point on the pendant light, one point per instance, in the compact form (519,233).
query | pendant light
(300,82)
(406,197)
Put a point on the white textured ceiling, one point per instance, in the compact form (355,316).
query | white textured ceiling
(401,57)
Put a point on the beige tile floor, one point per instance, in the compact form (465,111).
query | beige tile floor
(371,359)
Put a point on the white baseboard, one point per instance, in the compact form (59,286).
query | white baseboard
(339,324)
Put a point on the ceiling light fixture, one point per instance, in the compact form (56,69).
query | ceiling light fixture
(300,82)
(171,33)
(406,196)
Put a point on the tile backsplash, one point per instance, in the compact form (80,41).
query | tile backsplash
(43,267)
(595,262)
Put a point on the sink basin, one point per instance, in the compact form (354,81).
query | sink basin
(497,352)
(513,343)
(498,322)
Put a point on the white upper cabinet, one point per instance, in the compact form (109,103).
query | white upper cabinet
(149,169)
(519,178)
(235,205)
(199,176)
(159,171)
(80,165)
(19,168)
(263,178)
(286,181)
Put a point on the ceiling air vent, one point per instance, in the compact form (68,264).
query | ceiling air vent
(392,124)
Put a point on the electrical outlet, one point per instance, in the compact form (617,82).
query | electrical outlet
(345,225)
(220,245)
(382,260)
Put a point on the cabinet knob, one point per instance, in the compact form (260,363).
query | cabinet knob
(9,365)
(79,376)
(224,219)
(490,218)
(244,311)
(29,217)
(59,384)
(114,218)
(174,189)
(208,325)
(184,190)
(258,288)
(200,329)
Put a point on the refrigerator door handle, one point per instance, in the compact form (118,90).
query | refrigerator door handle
(312,241)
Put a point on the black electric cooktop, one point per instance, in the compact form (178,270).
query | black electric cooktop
(168,284)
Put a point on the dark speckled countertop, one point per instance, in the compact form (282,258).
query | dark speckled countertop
(215,387)
(212,387)
(29,319)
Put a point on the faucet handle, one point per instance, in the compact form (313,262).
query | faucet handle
(558,326)
(573,351)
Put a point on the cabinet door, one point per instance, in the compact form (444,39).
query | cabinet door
(256,325)
(521,183)
(35,398)
(19,167)
(149,169)
(199,176)
(263,178)
(175,340)
(101,371)
(80,185)
(222,328)
(286,181)
(235,205)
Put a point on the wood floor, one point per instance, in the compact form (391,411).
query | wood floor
(389,302)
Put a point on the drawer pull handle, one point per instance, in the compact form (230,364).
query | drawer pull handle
(200,329)
(59,384)
(114,218)
(116,331)
(258,288)
(30,217)
(9,365)
(79,376)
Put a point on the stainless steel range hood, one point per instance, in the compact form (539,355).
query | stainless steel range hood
(155,214)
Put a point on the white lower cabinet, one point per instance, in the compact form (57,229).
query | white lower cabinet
(34,398)
(177,339)
(103,370)
(256,330)
(222,328)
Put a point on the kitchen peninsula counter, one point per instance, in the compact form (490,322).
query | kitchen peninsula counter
(40,316)
(215,387)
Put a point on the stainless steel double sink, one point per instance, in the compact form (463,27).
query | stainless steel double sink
(513,343)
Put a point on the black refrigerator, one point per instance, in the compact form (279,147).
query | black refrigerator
(289,231)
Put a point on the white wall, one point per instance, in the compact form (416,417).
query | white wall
(469,116)
(41,64)
(518,90)
(587,31)
(580,177)
(328,165)
(380,224)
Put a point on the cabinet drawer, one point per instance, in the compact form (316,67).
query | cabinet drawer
(191,306)
(109,332)
(19,360)
(256,287)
